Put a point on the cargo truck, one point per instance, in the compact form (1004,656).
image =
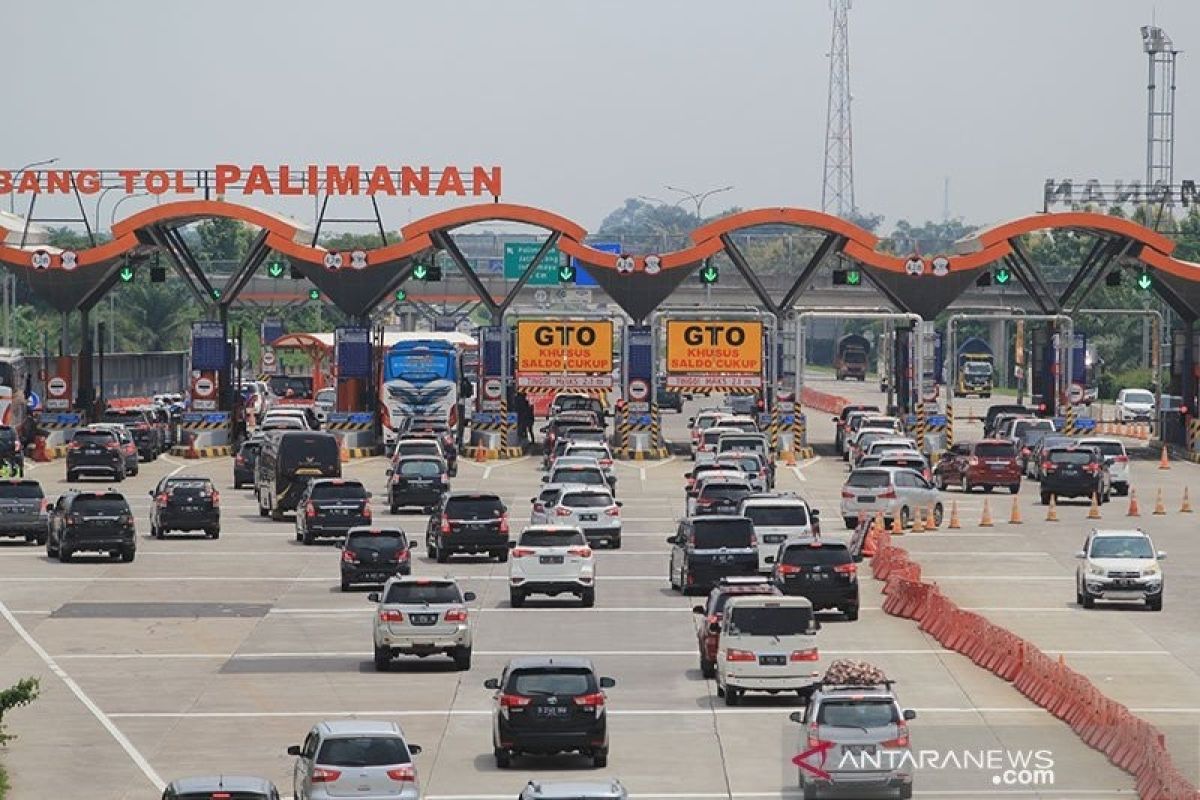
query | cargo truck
(850,357)
(976,369)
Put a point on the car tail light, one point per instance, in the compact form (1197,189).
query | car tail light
(127,519)
(1092,468)
(366,511)
(74,446)
(522,552)
(811,654)
(740,655)
(704,503)
(444,477)
(890,494)
(1048,466)
(309,509)
(814,739)
(405,773)
(1121,460)
(349,557)
(456,615)
(161,499)
(606,462)
(504,523)
(589,701)
(973,461)
(582,552)
(390,615)
(514,701)
(562,511)
(113,446)
(847,494)
(445,524)
(325,775)
(789,569)
(846,569)
(901,739)
(1025,451)
(45,504)
(402,555)
(712,619)
(216,498)
(240,460)
(613,511)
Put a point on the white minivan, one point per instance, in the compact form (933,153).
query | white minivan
(766,645)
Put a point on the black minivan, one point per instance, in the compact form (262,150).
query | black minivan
(706,549)
(287,461)
(822,572)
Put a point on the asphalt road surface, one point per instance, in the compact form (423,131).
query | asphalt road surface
(204,657)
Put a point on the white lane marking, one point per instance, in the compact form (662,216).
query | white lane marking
(170,460)
(1015,578)
(134,754)
(316,612)
(216,579)
(323,552)
(487,472)
(799,475)
(691,653)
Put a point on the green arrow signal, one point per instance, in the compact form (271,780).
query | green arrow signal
(853,277)
(216,294)
(566,274)
(1002,276)
(420,271)
(709,274)
(401,295)
(275,269)
(314,294)
(1144,281)
(126,274)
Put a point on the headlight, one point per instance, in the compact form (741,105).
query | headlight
(1150,570)
(1094,570)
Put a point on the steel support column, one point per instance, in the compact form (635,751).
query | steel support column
(1034,273)
(1102,243)
(739,261)
(254,259)
(1018,272)
(829,243)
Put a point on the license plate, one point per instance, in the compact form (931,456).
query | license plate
(587,517)
(774,538)
(772,661)
(340,512)
(551,711)
(817,576)
(1125,584)
(866,498)
(188,509)
(550,559)
(859,749)
(308,471)
(423,619)
(723,559)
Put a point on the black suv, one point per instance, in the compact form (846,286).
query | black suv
(1075,471)
(721,496)
(243,463)
(417,481)
(145,432)
(547,705)
(92,521)
(23,508)
(185,504)
(822,572)
(706,549)
(330,507)
(93,452)
(468,522)
(372,555)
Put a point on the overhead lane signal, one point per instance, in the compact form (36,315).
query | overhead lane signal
(709,275)
(126,274)
(567,273)
(1145,281)
(275,268)
(426,272)
(847,277)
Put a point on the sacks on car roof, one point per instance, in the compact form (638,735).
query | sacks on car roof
(848,672)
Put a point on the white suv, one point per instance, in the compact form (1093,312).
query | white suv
(1117,460)
(1135,405)
(776,519)
(421,617)
(594,511)
(766,645)
(352,757)
(1119,565)
(553,560)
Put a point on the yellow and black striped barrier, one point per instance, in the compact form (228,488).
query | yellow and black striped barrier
(1070,428)
(949,424)
(216,451)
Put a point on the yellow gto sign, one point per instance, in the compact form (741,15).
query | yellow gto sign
(700,347)
(557,346)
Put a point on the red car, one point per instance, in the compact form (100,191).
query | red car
(714,609)
(987,463)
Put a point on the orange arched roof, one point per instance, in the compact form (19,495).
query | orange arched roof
(301,341)
(1188,270)
(186,210)
(100,254)
(800,217)
(958,263)
(676,258)
(1079,220)
(484,212)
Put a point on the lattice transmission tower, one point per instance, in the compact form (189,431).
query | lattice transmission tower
(1160,108)
(837,187)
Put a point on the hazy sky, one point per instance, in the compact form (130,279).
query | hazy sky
(587,103)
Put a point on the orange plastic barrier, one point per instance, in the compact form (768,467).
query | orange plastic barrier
(821,401)
(129,402)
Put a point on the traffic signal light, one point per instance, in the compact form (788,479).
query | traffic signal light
(1145,282)
(126,274)
(158,274)
(1002,275)
(426,272)
(567,273)
(216,293)
(314,294)
(1113,278)
(984,279)
(709,275)
(401,295)
(275,268)
(847,277)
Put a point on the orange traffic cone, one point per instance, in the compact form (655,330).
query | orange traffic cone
(896,529)
(1164,463)
(985,521)
(918,523)
(870,548)
(1134,510)
(1159,508)
(1186,508)
(480,455)
(1052,511)
(931,522)
(1094,511)
(789,458)
(878,523)
(954,523)
(1014,518)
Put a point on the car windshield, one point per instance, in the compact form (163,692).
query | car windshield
(742,443)
(574,403)
(868,479)
(728,533)
(1139,397)
(588,452)
(105,505)
(474,507)
(905,462)
(1077,457)
(850,713)
(186,487)
(424,469)
(94,437)
(995,451)
(21,490)
(1121,547)
(416,593)
(725,491)
(1108,448)
(777,516)
(883,447)
(412,448)
(712,435)
(307,450)
(1023,425)
(363,751)
(589,500)
(585,476)
(377,540)
(339,491)
(824,555)
(559,680)
(769,620)
(548,538)
(747,464)
(977,368)
(723,598)
(300,387)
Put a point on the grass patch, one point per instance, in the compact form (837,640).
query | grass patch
(3,783)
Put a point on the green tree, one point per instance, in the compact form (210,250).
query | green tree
(22,693)
(930,238)
(155,316)
(351,241)
(222,240)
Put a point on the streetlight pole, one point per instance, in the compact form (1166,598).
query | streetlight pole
(698,198)
(112,298)
(7,297)
(12,196)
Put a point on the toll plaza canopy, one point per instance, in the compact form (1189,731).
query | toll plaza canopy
(358,281)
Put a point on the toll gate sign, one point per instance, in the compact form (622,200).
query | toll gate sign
(565,353)
(707,353)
